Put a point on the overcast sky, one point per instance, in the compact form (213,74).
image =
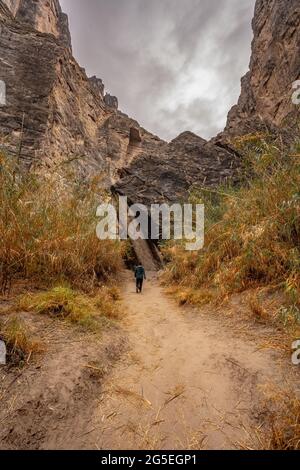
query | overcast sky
(175,65)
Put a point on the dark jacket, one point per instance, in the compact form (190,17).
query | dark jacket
(140,272)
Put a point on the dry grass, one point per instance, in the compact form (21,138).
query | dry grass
(174,394)
(20,344)
(252,233)
(133,396)
(75,307)
(280,429)
(258,309)
(188,296)
(48,230)
(107,301)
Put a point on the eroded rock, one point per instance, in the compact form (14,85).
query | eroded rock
(54,111)
(266,96)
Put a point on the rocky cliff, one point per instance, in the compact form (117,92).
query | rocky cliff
(54,111)
(43,16)
(167,175)
(265,100)
(265,104)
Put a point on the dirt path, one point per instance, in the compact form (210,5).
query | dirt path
(169,378)
(49,403)
(188,382)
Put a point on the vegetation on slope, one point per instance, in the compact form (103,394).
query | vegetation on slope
(283,420)
(48,230)
(65,303)
(49,246)
(252,232)
(252,244)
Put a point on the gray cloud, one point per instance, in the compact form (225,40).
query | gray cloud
(174,65)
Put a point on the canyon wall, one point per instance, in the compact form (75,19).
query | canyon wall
(265,105)
(45,16)
(55,112)
(266,95)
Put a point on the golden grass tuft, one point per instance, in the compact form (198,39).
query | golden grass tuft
(107,301)
(20,344)
(186,296)
(257,308)
(281,430)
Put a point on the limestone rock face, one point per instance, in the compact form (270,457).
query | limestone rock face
(111,101)
(265,104)
(168,174)
(45,16)
(28,70)
(97,85)
(13,5)
(54,111)
(266,96)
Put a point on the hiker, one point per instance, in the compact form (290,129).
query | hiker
(140,275)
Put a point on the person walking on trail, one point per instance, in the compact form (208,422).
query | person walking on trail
(140,276)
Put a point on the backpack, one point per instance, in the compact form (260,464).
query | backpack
(139,272)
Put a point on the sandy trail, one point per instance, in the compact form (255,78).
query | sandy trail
(188,381)
(173,378)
